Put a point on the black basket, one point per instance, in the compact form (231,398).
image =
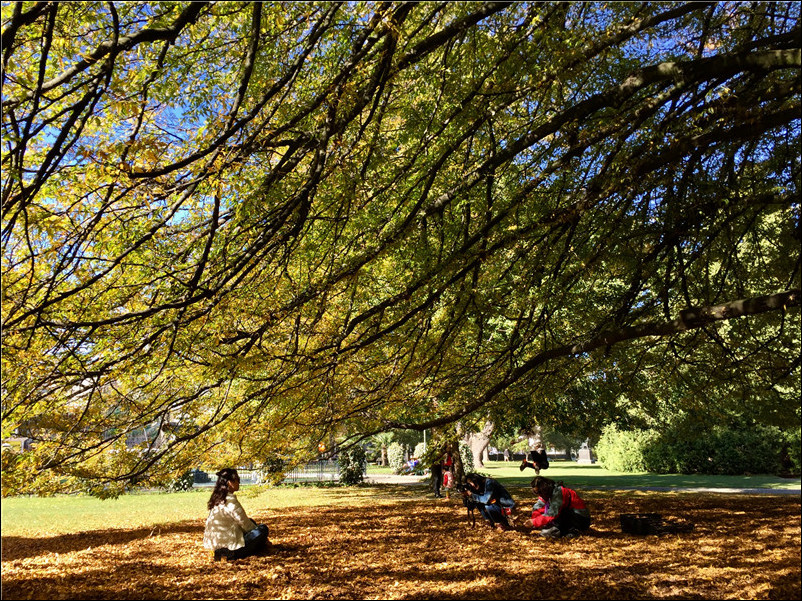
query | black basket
(641,523)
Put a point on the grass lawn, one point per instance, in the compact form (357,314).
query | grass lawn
(64,514)
(594,476)
(40,517)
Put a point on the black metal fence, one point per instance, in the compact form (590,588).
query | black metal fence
(314,471)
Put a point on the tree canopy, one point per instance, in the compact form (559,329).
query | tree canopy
(239,227)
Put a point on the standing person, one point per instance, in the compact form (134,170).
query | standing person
(492,499)
(437,476)
(506,454)
(540,461)
(229,532)
(559,510)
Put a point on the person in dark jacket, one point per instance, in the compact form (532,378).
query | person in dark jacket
(540,461)
(492,500)
(437,476)
(559,510)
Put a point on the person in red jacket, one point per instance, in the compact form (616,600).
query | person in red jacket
(559,510)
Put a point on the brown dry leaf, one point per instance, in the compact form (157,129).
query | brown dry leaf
(739,547)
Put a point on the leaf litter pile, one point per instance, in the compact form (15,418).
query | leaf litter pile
(716,546)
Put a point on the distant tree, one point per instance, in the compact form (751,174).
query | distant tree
(383,440)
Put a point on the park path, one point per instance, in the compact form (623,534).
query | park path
(742,491)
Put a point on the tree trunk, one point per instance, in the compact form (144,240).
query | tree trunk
(459,468)
(477,442)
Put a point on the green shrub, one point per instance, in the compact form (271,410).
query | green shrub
(466,455)
(395,456)
(183,482)
(352,465)
(273,464)
(657,458)
(681,448)
(274,468)
(691,456)
(753,451)
(622,451)
(791,461)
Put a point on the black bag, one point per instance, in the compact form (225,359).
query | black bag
(641,523)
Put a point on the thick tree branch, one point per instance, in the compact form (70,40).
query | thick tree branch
(689,319)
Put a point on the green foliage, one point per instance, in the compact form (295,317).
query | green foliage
(12,476)
(353,463)
(381,442)
(184,482)
(395,455)
(502,441)
(793,440)
(563,442)
(274,468)
(715,450)
(622,451)
(467,457)
(409,438)
(521,446)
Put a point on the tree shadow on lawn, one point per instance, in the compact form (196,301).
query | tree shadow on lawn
(741,547)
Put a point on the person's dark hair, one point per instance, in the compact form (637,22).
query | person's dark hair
(476,479)
(544,487)
(220,491)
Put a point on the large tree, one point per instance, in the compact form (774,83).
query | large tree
(247,226)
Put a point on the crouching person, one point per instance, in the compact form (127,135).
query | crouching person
(492,500)
(229,532)
(559,511)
